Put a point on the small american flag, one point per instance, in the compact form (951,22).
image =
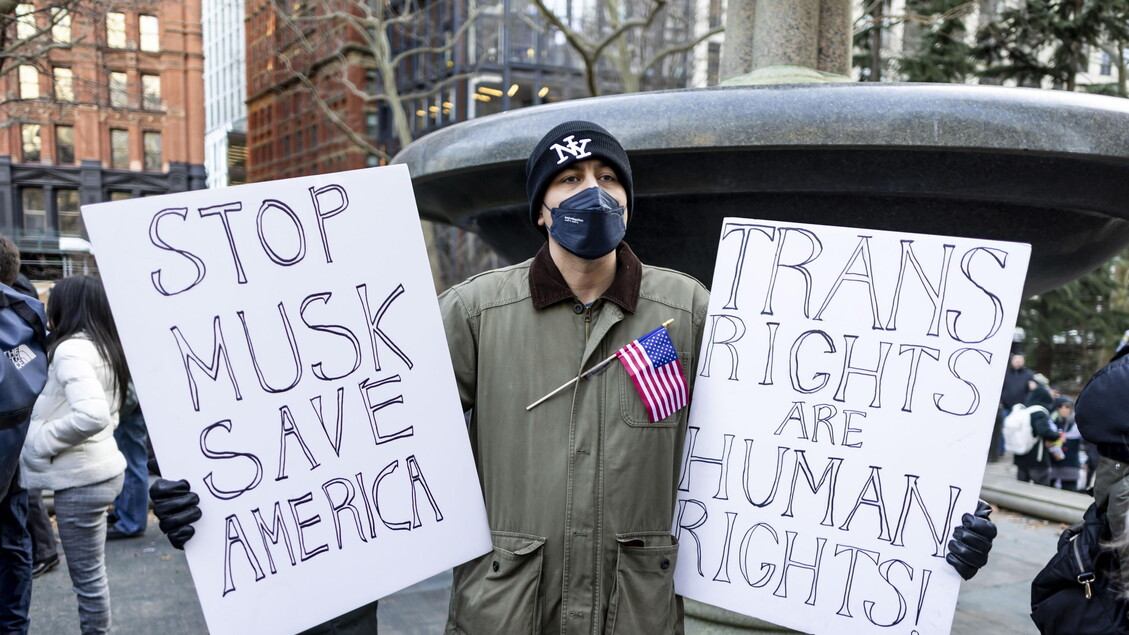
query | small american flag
(652,363)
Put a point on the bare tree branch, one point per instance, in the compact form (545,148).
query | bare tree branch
(357,32)
(32,48)
(680,48)
(631,46)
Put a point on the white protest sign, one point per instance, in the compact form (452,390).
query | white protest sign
(845,398)
(288,352)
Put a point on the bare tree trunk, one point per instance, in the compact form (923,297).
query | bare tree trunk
(1122,70)
(876,14)
(989,9)
(382,55)
(621,59)
(1075,53)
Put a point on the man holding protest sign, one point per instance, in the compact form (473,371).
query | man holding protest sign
(580,484)
(579,489)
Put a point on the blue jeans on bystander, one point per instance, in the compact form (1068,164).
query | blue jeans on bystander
(131,507)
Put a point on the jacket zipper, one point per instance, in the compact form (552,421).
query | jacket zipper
(1085,578)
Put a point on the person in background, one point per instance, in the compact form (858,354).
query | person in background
(1101,418)
(1016,386)
(131,507)
(1084,588)
(1015,390)
(15,541)
(44,547)
(1035,465)
(70,445)
(1066,473)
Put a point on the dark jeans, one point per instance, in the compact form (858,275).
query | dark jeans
(15,560)
(131,507)
(43,542)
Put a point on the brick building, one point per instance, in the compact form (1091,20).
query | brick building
(112,109)
(286,133)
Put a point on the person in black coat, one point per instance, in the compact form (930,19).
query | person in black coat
(1100,413)
(1084,589)
(1015,388)
(1035,466)
(1014,392)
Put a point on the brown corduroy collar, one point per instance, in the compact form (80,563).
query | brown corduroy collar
(547,286)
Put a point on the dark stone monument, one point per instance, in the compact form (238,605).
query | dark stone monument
(1050,168)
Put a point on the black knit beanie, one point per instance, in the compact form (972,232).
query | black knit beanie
(564,145)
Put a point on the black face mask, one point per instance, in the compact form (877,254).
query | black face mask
(589,224)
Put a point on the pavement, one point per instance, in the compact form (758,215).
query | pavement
(152,592)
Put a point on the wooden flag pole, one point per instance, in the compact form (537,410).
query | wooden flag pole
(585,375)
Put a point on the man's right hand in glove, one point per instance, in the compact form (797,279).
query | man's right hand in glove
(177,507)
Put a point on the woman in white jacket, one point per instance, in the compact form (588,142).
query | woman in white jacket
(70,444)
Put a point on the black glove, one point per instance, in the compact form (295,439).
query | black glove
(972,540)
(177,507)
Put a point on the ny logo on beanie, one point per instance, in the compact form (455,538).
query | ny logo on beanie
(575,149)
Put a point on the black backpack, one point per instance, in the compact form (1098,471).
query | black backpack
(23,372)
(1077,592)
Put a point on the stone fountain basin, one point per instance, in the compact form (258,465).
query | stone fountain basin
(1050,168)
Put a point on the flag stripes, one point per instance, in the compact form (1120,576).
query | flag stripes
(653,366)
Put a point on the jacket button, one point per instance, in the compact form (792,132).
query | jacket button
(495,566)
(665,563)
(578,308)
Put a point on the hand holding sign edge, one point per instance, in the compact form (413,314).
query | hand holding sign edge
(972,540)
(176,506)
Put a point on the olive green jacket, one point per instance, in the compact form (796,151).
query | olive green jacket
(580,490)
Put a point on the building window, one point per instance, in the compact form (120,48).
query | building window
(151,92)
(1107,64)
(34,209)
(60,25)
(29,82)
(117,89)
(64,84)
(119,148)
(118,195)
(150,33)
(70,223)
(32,144)
(370,125)
(64,145)
(25,21)
(152,142)
(115,30)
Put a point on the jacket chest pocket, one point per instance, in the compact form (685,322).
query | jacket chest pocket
(634,411)
(500,592)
